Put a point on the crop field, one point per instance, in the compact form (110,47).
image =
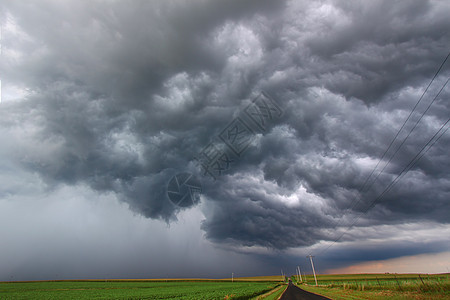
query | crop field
(258,278)
(135,289)
(381,286)
(357,286)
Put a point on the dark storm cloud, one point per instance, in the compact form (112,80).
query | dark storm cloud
(108,63)
(123,95)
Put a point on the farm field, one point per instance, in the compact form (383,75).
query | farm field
(356,286)
(126,289)
(258,278)
(381,286)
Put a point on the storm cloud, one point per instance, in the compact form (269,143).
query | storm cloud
(121,96)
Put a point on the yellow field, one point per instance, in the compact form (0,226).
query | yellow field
(257,278)
(254,278)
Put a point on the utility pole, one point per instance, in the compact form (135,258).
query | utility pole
(232,277)
(312,265)
(300,273)
(282,275)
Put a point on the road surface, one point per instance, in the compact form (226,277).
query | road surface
(293,292)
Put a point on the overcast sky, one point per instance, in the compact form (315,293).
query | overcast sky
(104,102)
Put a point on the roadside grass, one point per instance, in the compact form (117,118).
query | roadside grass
(381,286)
(341,294)
(273,294)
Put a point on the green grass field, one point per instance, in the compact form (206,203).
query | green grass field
(357,286)
(135,289)
(380,286)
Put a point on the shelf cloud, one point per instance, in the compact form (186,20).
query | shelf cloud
(121,96)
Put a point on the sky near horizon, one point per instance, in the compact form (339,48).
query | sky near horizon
(149,139)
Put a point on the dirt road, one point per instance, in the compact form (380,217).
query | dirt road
(293,292)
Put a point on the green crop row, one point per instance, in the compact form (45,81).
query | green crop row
(134,290)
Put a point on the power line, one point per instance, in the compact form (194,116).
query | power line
(431,142)
(403,125)
(357,200)
(413,161)
(361,190)
(407,136)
